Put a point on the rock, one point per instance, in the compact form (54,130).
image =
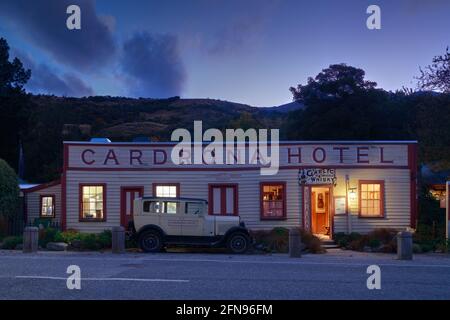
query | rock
(76,244)
(19,246)
(57,246)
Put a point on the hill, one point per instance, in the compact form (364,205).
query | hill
(55,119)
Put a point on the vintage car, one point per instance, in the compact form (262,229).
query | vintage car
(158,222)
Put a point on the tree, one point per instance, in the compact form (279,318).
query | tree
(337,81)
(437,75)
(341,104)
(12,102)
(9,190)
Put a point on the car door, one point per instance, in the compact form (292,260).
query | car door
(171,217)
(193,219)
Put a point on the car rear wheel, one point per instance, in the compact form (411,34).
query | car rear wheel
(238,243)
(151,241)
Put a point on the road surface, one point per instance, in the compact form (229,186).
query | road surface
(335,275)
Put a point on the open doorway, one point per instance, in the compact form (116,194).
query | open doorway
(320,211)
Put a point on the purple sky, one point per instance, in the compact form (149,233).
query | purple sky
(248,51)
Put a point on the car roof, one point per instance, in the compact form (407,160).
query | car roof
(174,199)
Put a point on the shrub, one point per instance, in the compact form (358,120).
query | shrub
(48,235)
(104,239)
(89,241)
(417,248)
(374,243)
(69,235)
(277,240)
(382,239)
(9,190)
(311,242)
(10,243)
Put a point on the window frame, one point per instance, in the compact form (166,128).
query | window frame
(262,184)
(382,200)
(166,184)
(80,202)
(53,204)
(211,186)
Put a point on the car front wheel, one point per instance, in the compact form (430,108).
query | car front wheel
(238,243)
(151,241)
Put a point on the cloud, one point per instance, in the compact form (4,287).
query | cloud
(234,36)
(45,80)
(43,22)
(152,65)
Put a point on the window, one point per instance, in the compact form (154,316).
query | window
(166,190)
(371,199)
(47,206)
(223,199)
(92,202)
(273,200)
(170,207)
(193,207)
(152,207)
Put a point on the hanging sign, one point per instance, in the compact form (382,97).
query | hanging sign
(317,176)
(340,205)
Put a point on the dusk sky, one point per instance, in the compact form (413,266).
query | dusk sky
(248,51)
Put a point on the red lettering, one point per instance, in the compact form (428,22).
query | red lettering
(324,155)
(382,157)
(341,153)
(111,155)
(135,157)
(155,158)
(83,157)
(360,154)
(296,155)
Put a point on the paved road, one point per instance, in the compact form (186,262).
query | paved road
(338,275)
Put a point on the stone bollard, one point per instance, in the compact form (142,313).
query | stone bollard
(295,243)
(404,245)
(118,240)
(30,240)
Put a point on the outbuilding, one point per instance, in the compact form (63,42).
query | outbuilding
(323,186)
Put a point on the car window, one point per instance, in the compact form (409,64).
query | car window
(152,207)
(193,208)
(171,207)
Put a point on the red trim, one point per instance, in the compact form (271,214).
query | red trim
(282,143)
(303,206)
(235,168)
(166,184)
(382,200)
(223,196)
(123,191)
(42,186)
(64,187)
(53,202)
(261,194)
(412,162)
(80,202)
(330,204)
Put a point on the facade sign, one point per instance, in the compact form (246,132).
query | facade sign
(317,176)
(340,205)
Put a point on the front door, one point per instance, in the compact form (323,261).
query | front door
(320,210)
(127,196)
